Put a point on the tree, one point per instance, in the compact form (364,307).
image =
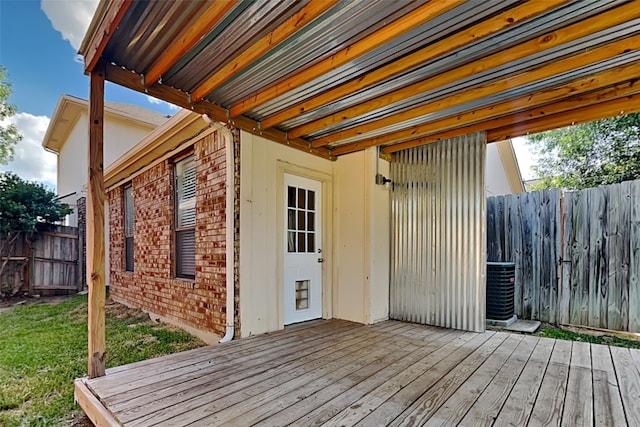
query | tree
(23,205)
(9,134)
(588,155)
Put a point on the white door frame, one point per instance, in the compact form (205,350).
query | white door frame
(327,234)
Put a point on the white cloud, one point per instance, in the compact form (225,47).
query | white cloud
(70,17)
(31,162)
(157,101)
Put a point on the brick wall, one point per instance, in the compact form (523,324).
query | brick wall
(199,303)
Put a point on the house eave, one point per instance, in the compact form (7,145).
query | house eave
(66,114)
(181,128)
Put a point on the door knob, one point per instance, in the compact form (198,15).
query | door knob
(320,259)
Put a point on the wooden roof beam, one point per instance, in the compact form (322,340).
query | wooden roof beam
(498,86)
(297,21)
(132,80)
(529,121)
(484,29)
(585,91)
(400,26)
(544,42)
(615,107)
(180,46)
(92,48)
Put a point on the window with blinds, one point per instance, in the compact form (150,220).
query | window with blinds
(128,228)
(185,196)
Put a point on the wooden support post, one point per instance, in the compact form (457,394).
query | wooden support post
(95,225)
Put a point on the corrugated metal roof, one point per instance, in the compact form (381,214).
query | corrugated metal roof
(505,39)
(341,26)
(148,29)
(498,73)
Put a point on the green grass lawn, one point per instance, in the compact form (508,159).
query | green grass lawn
(43,347)
(563,334)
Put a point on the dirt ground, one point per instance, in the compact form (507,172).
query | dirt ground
(6,304)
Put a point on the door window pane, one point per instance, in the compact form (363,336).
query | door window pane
(291,241)
(301,219)
(311,242)
(291,219)
(311,221)
(312,200)
(291,197)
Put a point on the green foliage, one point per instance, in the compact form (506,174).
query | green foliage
(44,347)
(590,154)
(24,204)
(9,134)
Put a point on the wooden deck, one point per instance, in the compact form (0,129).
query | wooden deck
(337,373)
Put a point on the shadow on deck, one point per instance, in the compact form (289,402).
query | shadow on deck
(339,373)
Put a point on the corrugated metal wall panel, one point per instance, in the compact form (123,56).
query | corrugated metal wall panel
(438,226)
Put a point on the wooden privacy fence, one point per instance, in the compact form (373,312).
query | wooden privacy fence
(577,254)
(46,264)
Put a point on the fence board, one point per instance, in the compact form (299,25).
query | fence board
(577,254)
(52,264)
(597,203)
(634,264)
(566,242)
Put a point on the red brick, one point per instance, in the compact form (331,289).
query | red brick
(153,286)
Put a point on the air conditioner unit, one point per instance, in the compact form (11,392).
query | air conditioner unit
(501,278)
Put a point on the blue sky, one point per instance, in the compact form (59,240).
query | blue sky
(38,46)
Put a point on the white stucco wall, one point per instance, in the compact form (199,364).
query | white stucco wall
(496,180)
(73,163)
(361,239)
(262,167)
(355,234)
(119,136)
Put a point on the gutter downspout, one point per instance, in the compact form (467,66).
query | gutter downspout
(229,216)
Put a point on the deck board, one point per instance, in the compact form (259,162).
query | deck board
(487,407)
(166,394)
(607,403)
(547,410)
(578,402)
(628,374)
(337,373)
(519,404)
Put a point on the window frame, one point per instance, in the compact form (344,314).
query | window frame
(183,232)
(129,233)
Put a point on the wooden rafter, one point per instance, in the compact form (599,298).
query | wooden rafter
(626,105)
(532,121)
(205,22)
(478,31)
(595,89)
(545,71)
(547,41)
(133,81)
(307,14)
(409,21)
(96,45)
(95,225)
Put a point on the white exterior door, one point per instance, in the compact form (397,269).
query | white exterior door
(303,255)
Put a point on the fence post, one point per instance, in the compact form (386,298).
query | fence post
(80,259)
(27,253)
